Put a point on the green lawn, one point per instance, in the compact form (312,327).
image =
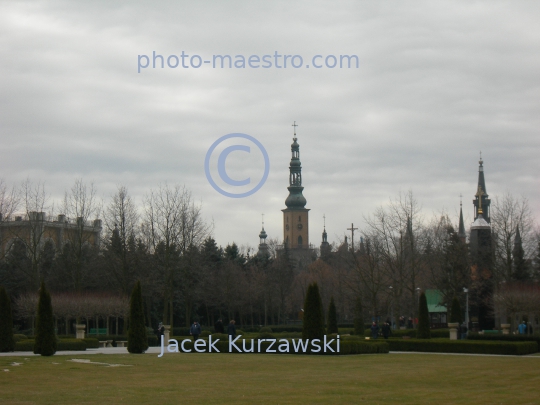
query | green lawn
(271,379)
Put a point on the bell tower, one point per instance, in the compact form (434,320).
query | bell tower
(295,216)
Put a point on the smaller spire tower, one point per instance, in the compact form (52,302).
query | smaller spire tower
(461,232)
(325,246)
(482,202)
(263,247)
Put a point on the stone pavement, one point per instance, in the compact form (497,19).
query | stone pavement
(101,350)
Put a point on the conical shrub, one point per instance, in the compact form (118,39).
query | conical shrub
(358,321)
(313,326)
(423,319)
(7,344)
(332,327)
(45,343)
(137,339)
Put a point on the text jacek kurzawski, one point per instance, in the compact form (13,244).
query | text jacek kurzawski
(253,345)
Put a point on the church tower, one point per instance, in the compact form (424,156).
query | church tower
(263,247)
(325,248)
(482,201)
(481,251)
(295,216)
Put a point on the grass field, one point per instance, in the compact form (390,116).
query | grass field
(270,379)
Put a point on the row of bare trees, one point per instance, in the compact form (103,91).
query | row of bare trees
(167,244)
(72,306)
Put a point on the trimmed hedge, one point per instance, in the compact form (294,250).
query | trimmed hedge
(399,333)
(462,346)
(505,338)
(62,345)
(91,343)
(346,347)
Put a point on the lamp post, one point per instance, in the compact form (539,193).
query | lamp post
(466,291)
(392,308)
(417,303)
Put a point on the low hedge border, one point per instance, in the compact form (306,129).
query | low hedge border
(461,346)
(62,345)
(505,338)
(346,347)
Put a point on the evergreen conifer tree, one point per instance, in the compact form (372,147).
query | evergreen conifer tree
(137,339)
(423,319)
(332,326)
(313,327)
(45,343)
(7,344)
(455,312)
(358,317)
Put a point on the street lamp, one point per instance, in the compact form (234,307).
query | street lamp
(392,308)
(418,302)
(466,291)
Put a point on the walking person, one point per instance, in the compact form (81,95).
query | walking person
(218,327)
(195,330)
(160,331)
(386,330)
(231,329)
(374,330)
(522,328)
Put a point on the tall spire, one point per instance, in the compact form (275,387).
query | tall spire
(461,232)
(295,198)
(325,246)
(263,247)
(517,240)
(482,202)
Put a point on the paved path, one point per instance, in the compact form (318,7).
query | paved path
(102,350)
(157,350)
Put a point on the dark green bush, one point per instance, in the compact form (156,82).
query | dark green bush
(91,343)
(265,335)
(505,338)
(45,342)
(25,345)
(205,333)
(462,346)
(332,318)
(19,337)
(313,327)
(137,336)
(62,345)
(266,329)
(285,328)
(358,323)
(71,344)
(7,342)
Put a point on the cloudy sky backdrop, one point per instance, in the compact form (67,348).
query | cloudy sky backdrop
(437,82)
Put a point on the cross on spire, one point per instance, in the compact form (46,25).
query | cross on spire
(294,125)
(324,220)
(460,199)
(262,220)
(352,229)
(479,194)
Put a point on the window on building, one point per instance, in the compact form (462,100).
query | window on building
(300,241)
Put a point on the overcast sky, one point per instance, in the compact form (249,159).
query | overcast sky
(436,83)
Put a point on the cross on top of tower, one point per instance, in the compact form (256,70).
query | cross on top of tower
(294,125)
(460,199)
(479,194)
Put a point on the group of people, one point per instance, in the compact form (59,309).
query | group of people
(195,329)
(385,329)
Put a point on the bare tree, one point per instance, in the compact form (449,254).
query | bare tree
(82,206)
(121,222)
(173,224)
(507,214)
